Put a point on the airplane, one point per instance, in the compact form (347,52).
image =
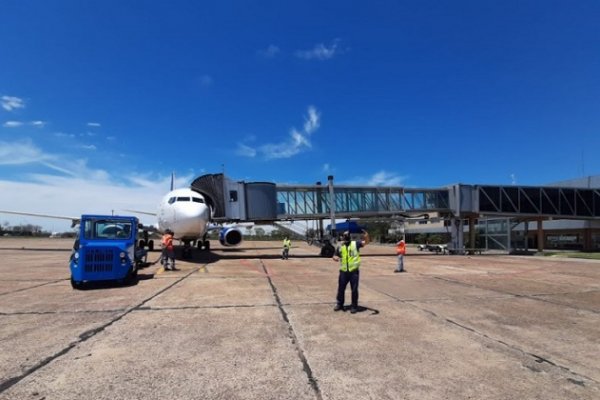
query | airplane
(183,211)
(186,213)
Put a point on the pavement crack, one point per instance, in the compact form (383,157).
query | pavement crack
(474,331)
(525,296)
(31,287)
(83,337)
(305,364)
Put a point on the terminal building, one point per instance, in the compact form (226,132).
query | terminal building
(564,215)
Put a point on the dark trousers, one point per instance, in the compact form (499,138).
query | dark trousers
(343,280)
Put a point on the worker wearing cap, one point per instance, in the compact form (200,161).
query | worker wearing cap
(347,253)
(400,251)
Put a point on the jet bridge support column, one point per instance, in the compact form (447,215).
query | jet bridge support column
(457,235)
(540,235)
(331,205)
(472,232)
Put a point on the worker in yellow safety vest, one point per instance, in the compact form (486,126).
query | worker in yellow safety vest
(347,253)
(287,243)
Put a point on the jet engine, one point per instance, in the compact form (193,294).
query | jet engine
(230,236)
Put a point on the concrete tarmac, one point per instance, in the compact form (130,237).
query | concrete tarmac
(243,324)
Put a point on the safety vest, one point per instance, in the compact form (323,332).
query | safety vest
(401,248)
(167,241)
(287,243)
(349,257)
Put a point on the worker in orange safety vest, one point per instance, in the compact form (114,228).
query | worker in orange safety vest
(168,251)
(401,251)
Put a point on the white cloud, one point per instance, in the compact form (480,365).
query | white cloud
(321,51)
(88,147)
(12,124)
(73,196)
(93,124)
(513,179)
(297,141)
(111,138)
(19,153)
(381,178)
(10,103)
(38,124)
(245,150)
(64,135)
(270,51)
(76,190)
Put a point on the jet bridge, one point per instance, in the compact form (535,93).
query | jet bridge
(266,202)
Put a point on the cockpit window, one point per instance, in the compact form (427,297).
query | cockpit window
(172,200)
(197,200)
(183,199)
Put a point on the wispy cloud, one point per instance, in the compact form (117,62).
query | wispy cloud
(10,103)
(381,178)
(297,141)
(19,153)
(513,179)
(270,52)
(245,150)
(93,124)
(25,152)
(17,124)
(321,51)
(71,187)
(89,147)
(64,135)
(12,124)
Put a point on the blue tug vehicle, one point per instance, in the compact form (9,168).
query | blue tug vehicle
(106,249)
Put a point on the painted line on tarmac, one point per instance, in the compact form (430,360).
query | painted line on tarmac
(306,366)
(10,382)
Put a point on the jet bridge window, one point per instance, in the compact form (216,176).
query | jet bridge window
(233,195)
(197,200)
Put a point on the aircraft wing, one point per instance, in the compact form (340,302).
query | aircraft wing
(74,220)
(142,212)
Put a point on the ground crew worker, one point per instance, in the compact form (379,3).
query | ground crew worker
(348,255)
(168,251)
(401,251)
(287,243)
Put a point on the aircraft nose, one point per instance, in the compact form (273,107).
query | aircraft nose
(192,220)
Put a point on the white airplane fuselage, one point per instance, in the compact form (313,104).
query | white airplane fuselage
(185,212)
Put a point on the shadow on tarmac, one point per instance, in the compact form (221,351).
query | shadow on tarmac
(361,309)
(96,285)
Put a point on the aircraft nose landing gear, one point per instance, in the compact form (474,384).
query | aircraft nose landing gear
(186,252)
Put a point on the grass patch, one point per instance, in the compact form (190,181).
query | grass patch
(573,254)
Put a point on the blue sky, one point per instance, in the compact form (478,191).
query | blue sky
(101,100)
